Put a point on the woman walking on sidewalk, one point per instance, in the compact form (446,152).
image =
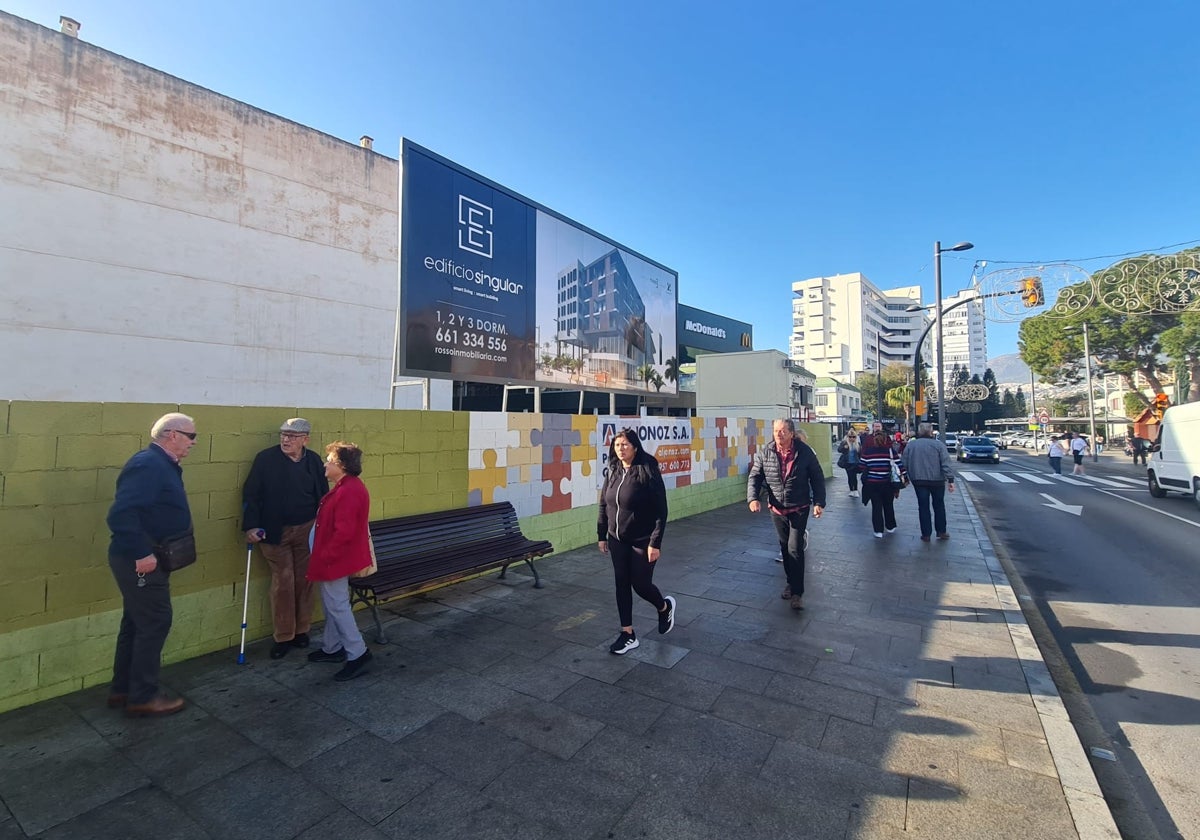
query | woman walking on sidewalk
(633,515)
(876,459)
(848,460)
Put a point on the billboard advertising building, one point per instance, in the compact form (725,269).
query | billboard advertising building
(495,288)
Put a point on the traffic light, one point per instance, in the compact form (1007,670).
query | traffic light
(1031,291)
(1161,403)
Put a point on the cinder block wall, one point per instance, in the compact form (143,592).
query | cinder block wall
(59,607)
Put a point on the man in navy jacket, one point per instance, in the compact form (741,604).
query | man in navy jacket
(150,506)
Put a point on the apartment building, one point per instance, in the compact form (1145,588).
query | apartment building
(845,325)
(964,335)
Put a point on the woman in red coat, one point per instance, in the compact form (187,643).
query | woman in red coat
(340,548)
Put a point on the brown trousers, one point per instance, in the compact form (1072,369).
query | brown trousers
(291,591)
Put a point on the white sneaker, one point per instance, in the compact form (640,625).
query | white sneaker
(891,530)
(879,535)
(853,494)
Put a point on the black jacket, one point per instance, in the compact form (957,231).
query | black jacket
(804,485)
(267,495)
(633,502)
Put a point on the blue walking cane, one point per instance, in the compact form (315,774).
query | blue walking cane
(245,604)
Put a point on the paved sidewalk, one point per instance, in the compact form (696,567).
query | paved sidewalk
(906,701)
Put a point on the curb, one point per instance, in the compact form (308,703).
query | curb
(1091,814)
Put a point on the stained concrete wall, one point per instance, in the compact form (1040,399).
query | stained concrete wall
(163,243)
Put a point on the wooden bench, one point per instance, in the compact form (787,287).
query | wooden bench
(427,550)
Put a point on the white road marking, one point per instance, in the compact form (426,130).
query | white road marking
(1068,480)
(1147,507)
(1077,510)
(1036,479)
(1002,478)
(969,476)
(1107,482)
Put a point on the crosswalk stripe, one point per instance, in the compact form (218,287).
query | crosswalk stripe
(1036,479)
(969,476)
(1002,478)
(1106,482)
(1068,480)
(1140,482)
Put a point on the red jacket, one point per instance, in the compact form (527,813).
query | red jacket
(340,542)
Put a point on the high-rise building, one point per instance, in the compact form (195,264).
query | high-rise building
(964,335)
(838,321)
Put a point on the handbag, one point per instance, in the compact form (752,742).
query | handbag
(177,552)
(899,480)
(374,567)
(843,461)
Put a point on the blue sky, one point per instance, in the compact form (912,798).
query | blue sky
(752,147)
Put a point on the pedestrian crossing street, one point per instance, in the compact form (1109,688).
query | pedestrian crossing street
(1112,482)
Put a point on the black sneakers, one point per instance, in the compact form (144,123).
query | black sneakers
(624,643)
(321,656)
(353,668)
(666,619)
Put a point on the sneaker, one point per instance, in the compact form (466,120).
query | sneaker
(321,656)
(300,640)
(666,620)
(354,668)
(797,603)
(624,643)
(853,494)
(787,592)
(924,538)
(779,559)
(943,536)
(280,649)
(879,535)
(891,530)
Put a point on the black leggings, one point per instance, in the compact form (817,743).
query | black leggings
(634,573)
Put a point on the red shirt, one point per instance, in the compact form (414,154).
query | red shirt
(787,461)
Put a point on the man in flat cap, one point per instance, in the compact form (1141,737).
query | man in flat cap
(280,498)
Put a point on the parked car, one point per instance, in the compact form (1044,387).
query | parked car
(951,441)
(978,449)
(996,438)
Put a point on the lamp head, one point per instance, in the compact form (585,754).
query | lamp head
(961,246)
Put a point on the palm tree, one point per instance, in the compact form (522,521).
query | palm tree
(672,371)
(646,373)
(657,381)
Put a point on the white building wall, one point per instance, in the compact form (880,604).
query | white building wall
(756,384)
(964,335)
(162,243)
(837,320)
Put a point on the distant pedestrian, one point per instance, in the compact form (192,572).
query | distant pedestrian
(788,470)
(1140,447)
(150,507)
(630,525)
(848,460)
(285,484)
(1099,445)
(1055,454)
(1079,447)
(341,547)
(928,464)
(875,463)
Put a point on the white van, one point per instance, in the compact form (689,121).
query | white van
(1175,460)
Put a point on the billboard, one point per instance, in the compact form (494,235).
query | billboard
(495,288)
(669,439)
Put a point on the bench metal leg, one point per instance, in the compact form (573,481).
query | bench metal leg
(380,637)
(358,597)
(537,580)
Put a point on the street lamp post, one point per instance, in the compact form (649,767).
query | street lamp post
(1091,400)
(937,293)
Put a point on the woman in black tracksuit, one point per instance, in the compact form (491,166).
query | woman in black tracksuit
(633,514)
